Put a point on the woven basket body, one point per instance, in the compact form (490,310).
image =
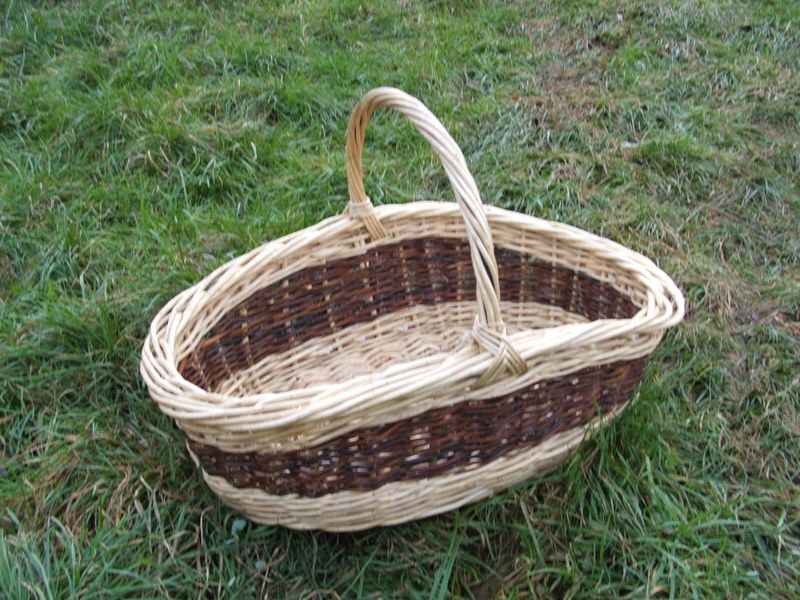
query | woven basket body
(400,361)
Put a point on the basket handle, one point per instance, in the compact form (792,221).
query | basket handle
(489,330)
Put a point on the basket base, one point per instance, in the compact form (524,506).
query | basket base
(399,337)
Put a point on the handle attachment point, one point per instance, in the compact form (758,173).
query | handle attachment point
(366,213)
(506,358)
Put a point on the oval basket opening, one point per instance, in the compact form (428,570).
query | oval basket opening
(395,303)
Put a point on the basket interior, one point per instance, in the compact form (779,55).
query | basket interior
(395,303)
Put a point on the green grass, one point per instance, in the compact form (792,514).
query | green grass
(143,144)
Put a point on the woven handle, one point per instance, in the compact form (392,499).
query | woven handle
(489,331)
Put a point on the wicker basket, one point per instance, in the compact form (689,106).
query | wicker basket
(399,361)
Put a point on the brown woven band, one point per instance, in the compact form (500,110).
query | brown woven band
(449,439)
(319,300)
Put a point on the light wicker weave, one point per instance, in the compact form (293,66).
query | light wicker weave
(400,361)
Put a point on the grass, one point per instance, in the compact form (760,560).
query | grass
(143,144)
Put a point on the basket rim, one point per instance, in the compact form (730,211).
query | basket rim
(190,403)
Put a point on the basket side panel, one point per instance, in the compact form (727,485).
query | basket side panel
(446,440)
(402,501)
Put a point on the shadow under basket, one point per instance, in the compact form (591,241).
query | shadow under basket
(399,361)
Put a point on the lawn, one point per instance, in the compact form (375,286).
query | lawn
(142,144)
